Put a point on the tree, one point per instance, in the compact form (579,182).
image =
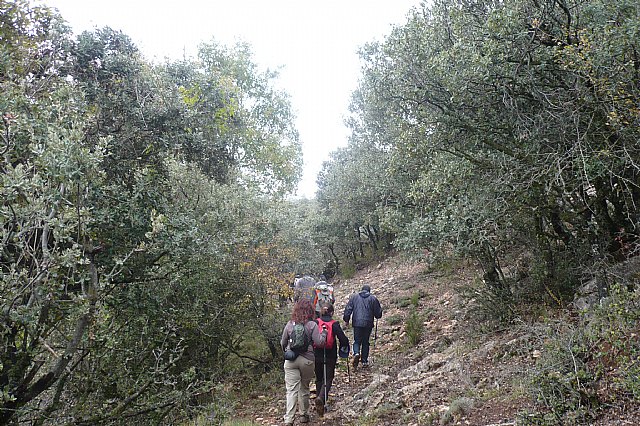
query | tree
(123,257)
(352,185)
(515,107)
(250,135)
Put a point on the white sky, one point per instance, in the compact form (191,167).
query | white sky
(315,43)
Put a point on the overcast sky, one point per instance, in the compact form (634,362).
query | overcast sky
(315,43)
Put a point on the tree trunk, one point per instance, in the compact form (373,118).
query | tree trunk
(360,245)
(373,237)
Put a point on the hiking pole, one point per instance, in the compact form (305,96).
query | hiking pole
(325,379)
(375,338)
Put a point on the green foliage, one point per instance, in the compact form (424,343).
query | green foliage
(431,418)
(394,319)
(458,407)
(565,383)
(402,301)
(348,270)
(134,245)
(235,125)
(350,187)
(613,329)
(491,307)
(414,327)
(578,361)
(415,298)
(300,232)
(496,130)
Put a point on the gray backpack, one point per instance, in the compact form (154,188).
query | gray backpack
(298,339)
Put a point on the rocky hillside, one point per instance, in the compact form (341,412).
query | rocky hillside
(455,374)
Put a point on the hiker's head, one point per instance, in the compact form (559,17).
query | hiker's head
(302,311)
(366,288)
(326,308)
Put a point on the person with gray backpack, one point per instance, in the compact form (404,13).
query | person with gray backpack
(323,294)
(362,308)
(298,337)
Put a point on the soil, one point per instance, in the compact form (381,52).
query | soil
(456,374)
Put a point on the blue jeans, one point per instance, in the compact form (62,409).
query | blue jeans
(361,337)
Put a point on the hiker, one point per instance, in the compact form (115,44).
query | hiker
(327,355)
(362,308)
(323,295)
(299,358)
(304,288)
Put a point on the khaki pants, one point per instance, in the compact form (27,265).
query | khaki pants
(297,376)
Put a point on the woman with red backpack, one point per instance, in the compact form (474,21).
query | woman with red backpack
(326,355)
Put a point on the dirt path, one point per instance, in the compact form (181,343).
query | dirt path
(455,374)
(448,376)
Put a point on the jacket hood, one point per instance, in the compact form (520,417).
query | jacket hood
(364,293)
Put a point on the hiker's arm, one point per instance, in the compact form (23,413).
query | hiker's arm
(284,340)
(338,332)
(377,309)
(348,310)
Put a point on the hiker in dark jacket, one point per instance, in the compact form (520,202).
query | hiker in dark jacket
(299,371)
(326,357)
(362,308)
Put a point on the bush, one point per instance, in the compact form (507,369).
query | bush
(402,301)
(394,319)
(415,298)
(613,329)
(459,407)
(491,306)
(414,328)
(347,270)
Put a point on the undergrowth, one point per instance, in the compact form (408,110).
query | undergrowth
(589,364)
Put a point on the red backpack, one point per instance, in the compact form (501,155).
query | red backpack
(331,340)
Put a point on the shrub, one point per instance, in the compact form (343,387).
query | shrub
(402,301)
(415,298)
(414,328)
(458,407)
(613,327)
(564,383)
(491,306)
(347,270)
(394,319)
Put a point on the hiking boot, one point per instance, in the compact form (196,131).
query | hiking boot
(365,364)
(320,407)
(356,360)
(304,418)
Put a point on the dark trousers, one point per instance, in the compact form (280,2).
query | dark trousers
(331,370)
(361,336)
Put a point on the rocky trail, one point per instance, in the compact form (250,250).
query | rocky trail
(453,375)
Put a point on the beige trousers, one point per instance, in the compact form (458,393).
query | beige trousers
(297,376)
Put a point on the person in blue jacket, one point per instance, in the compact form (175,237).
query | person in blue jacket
(361,310)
